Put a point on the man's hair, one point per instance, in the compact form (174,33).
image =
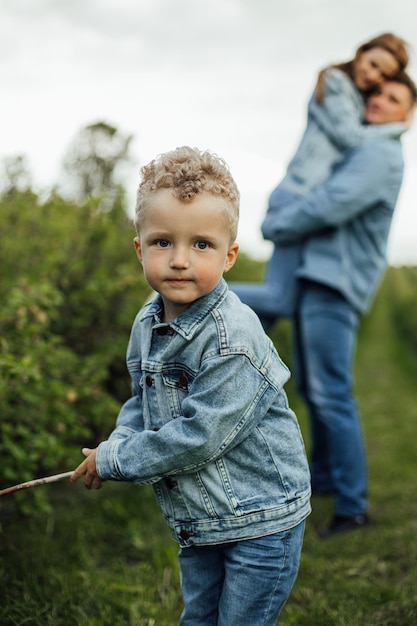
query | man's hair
(404,79)
(188,172)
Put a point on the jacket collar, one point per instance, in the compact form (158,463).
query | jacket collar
(188,322)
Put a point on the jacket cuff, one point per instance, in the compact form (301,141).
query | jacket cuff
(106,460)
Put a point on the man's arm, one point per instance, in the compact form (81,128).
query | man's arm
(369,175)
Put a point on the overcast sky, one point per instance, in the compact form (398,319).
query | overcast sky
(231,76)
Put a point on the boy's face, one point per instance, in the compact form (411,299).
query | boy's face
(184,248)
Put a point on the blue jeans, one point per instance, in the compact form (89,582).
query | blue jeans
(324,341)
(240,583)
(276,296)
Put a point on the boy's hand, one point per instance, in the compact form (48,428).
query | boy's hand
(88,467)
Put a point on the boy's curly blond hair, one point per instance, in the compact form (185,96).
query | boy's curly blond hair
(189,172)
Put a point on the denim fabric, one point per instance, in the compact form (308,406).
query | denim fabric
(246,582)
(343,225)
(334,126)
(325,337)
(209,424)
(351,258)
(276,296)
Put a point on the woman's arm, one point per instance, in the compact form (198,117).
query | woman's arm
(340,115)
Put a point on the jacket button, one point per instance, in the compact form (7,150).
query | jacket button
(186,534)
(171,483)
(149,381)
(183,380)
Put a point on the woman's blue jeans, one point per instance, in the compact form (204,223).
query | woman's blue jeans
(244,583)
(276,296)
(324,342)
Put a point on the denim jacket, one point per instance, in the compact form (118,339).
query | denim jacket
(343,225)
(333,126)
(209,425)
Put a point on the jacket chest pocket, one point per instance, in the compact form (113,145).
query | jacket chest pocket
(176,383)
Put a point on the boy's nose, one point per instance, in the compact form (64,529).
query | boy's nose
(179,258)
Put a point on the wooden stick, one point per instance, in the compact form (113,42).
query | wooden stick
(36,483)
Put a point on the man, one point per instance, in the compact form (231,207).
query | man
(344,226)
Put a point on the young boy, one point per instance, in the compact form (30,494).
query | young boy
(208,424)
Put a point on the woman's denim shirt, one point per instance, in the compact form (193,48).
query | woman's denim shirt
(209,424)
(333,126)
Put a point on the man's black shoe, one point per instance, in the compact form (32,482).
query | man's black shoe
(342,524)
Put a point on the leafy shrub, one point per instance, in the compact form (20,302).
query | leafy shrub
(69,289)
(51,398)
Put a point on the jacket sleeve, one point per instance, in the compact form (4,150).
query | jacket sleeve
(130,419)
(340,118)
(367,177)
(208,426)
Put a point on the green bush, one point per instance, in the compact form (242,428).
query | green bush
(70,286)
(52,399)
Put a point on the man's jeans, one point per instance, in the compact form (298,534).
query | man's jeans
(244,583)
(324,341)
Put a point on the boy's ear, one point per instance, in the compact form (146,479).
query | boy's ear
(136,243)
(231,256)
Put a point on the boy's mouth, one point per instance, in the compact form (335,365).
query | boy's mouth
(179,281)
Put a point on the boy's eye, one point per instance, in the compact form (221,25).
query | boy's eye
(162,243)
(202,245)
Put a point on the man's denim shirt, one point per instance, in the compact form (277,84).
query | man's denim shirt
(209,424)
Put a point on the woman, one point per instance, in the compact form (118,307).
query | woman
(334,125)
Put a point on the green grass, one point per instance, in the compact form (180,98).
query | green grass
(369,577)
(99,558)
(106,558)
